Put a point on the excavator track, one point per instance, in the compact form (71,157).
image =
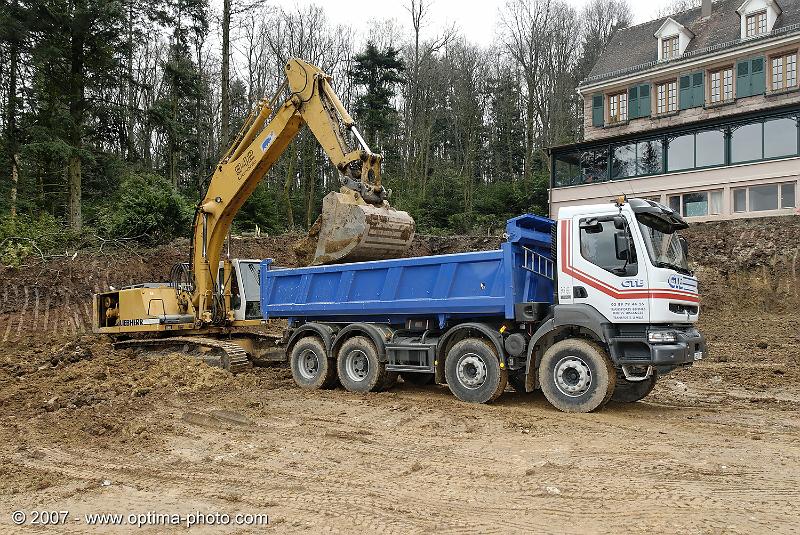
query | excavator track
(232,358)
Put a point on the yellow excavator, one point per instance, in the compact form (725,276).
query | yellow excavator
(211,303)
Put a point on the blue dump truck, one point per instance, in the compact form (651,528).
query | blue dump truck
(594,306)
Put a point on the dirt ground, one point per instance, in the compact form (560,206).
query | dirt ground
(85,429)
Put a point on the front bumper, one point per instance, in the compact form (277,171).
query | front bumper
(689,347)
(635,350)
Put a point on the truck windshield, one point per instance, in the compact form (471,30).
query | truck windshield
(662,243)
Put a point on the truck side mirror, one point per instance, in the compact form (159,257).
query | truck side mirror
(621,245)
(684,246)
(619,222)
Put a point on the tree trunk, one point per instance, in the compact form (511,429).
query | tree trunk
(11,121)
(76,106)
(74,204)
(287,187)
(225,123)
(131,120)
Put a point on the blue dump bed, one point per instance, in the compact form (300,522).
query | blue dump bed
(443,287)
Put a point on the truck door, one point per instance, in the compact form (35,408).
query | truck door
(602,260)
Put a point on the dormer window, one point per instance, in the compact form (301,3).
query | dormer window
(758,17)
(673,39)
(670,47)
(756,24)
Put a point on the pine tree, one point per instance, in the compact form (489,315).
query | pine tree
(378,72)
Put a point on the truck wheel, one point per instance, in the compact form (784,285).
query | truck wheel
(359,368)
(311,367)
(632,391)
(576,375)
(418,379)
(473,371)
(517,381)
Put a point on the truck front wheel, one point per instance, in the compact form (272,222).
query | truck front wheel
(311,367)
(473,371)
(360,369)
(576,375)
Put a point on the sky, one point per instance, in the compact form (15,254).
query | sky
(477,19)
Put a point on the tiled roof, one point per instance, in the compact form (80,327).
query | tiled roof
(633,48)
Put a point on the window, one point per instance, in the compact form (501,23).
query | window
(721,89)
(756,24)
(618,107)
(696,204)
(780,137)
(594,165)
(766,197)
(670,47)
(740,200)
(747,143)
(763,198)
(637,159)
(667,95)
(713,148)
(598,247)
(680,153)
(788,195)
(784,71)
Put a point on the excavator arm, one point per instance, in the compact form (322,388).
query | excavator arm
(357,222)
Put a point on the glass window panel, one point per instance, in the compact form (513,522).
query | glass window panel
(715,202)
(568,170)
(710,148)
(598,248)
(740,200)
(680,153)
(650,157)
(780,137)
(695,204)
(623,161)
(763,198)
(675,203)
(746,143)
(788,195)
(594,165)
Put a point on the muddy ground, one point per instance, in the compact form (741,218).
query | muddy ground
(715,448)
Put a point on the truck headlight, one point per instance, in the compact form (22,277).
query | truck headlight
(662,336)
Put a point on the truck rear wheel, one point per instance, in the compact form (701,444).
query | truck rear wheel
(359,368)
(473,371)
(632,391)
(576,375)
(311,367)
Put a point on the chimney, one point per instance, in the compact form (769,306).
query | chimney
(706,8)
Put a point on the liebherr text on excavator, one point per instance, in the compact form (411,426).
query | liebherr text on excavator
(208,296)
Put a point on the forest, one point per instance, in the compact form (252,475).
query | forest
(114,113)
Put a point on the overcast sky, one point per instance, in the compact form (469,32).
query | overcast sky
(477,19)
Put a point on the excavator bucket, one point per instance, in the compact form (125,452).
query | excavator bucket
(350,230)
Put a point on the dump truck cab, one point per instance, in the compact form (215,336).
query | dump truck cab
(623,274)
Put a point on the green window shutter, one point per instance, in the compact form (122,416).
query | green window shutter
(758,81)
(698,90)
(644,100)
(633,102)
(743,79)
(598,115)
(685,93)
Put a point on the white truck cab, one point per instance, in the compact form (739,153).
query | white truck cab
(623,267)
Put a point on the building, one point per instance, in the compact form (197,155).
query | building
(699,110)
